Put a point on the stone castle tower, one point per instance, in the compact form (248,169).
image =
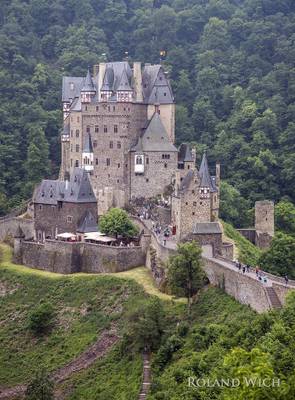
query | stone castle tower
(119,125)
(196,196)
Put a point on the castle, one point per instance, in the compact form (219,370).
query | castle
(119,126)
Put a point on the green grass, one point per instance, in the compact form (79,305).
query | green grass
(248,253)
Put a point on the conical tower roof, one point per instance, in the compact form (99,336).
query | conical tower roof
(206,180)
(124,84)
(88,85)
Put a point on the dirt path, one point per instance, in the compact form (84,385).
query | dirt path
(104,343)
(146,379)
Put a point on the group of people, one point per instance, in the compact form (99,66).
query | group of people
(244,268)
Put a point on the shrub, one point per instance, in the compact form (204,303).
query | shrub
(41,387)
(41,318)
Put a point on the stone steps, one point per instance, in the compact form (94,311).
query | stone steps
(146,376)
(273,297)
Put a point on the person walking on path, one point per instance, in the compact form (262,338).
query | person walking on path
(244,269)
(248,268)
(240,266)
(286,279)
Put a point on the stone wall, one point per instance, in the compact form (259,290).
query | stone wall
(67,257)
(8,227)
(227,251)
(243,288)
(249,234)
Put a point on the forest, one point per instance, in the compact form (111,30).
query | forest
(231,64)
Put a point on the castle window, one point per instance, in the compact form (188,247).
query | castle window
(165,165)
(147,179)
(111,145)
(166,156)
(139,160)
(96,161)
(77,132)
(97,108)
(201,203)
(188,167)
(186,203)
(77,148)
(118,145)
(118,180)
(88,129)
(76,163)
(105,129)
(194,203)
(69,219)
(147,160)
(115,128)
(108,162)
(119,165)
(193,192)
(85,108)
(71,132)
(71,162)
(164,93)
(95,143)
(193,213)
(96,129)
(40,207)
(114,108)
(78,119)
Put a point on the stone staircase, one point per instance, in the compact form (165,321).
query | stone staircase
(273,297)
(146,378)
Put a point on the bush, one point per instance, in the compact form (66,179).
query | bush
(41,387)
(41,318)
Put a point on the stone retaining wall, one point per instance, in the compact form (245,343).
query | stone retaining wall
(67,257)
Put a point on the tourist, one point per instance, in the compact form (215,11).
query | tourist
(286,279)
(244,269)
(248,268)
(240,266)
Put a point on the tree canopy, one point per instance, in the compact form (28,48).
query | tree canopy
(117,222)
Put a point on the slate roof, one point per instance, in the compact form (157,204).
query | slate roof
(118,76)
(203,228)
(88,223)
(154,137)
(76,105)
(77,190)
(19,233)
(88,85)
(156,86)
(184,153)
(206,180)
(87,145)
(69,94)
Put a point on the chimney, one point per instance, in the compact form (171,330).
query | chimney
(217,179)
(101,72)
(137,81)
(177,182)
(95,70)
(194,155)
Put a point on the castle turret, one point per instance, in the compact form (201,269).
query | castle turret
(87,153)
(19,236)
(88,90)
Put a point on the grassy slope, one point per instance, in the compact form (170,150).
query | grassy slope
(85,306)
(221,319)
(248,253)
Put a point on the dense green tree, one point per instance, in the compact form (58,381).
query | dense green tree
(117,222)
(285,217)
(233,207)
(279,259)
(185,274)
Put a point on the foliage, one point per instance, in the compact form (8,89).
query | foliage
(248,252)
(234,209)
(41,387)
(146,324)
(285,217)
(231,65)
(41,318)
(185,274)
(116,222)
(279,259)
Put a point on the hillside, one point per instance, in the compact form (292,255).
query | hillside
(232,69)
(220,339)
